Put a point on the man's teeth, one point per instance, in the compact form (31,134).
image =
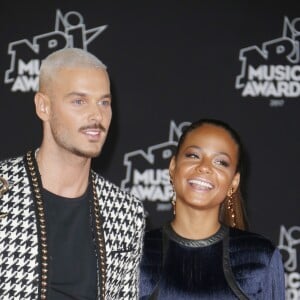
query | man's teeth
(201,183)
(92,132)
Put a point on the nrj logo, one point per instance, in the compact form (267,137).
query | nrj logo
(272,71)
(69,31)
(147,173)
(289,245)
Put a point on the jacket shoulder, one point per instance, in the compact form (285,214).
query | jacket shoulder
(111,187)
(118,203)
(13,170)
(11,162)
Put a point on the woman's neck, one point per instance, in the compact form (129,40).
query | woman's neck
(196,224)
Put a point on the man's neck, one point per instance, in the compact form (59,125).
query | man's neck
(65,175)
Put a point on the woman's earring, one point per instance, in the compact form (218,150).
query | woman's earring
(230,207)
(174,202)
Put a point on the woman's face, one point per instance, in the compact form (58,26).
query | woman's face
(205,168)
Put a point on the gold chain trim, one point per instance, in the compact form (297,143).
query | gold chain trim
(41,225)
(99,236)
(100,239)
(4,187)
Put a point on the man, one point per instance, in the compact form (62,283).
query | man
(65,232)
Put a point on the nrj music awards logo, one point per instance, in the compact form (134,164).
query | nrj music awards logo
(272,71)
(289,245)
(69,31)
(147,172)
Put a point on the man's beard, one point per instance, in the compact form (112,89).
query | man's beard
(84,154)
(64,143)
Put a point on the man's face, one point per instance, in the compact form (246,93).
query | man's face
(80,110)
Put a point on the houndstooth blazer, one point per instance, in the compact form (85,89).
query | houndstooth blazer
(23,258)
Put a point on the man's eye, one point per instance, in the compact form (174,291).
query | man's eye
(78,101)
(105,102)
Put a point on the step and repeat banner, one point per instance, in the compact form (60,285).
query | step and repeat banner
(173,62)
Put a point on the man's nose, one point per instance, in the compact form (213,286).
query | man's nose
(95,113)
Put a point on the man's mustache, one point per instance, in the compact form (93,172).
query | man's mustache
(94,126)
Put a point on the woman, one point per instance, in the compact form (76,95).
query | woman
(205,252)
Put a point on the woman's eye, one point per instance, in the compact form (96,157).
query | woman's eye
(191,155)
(222,162)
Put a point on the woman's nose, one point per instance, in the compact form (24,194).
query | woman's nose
(204,166)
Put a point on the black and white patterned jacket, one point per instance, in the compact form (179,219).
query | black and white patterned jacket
(118,220)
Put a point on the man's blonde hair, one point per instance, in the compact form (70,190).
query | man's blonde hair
(66,58)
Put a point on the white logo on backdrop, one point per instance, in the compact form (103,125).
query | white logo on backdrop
(272,71)
(147,173)
(289,245)
(69,31)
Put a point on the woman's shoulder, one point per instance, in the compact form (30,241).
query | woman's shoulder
(153,233)
(152,250)
(250,241)
(256,264)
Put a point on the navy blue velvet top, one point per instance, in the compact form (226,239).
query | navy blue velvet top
(232,264)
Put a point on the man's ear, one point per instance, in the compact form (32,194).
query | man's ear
(42,103)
